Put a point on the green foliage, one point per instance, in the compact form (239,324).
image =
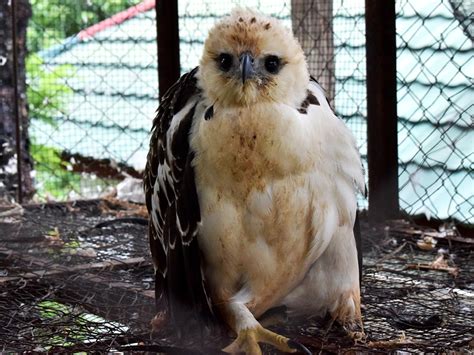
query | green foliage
(55,20)
(55,178)
(46,89)
(52,174)
(47,92)
(73,325)
(52,22)
(52,309)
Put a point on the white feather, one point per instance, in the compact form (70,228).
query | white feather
(237,305)
(275,188)
(176,120)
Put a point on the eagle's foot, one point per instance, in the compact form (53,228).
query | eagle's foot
(348,314)
(356,332)
(248,339)
(158,322)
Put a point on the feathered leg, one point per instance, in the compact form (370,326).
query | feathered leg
(332,284)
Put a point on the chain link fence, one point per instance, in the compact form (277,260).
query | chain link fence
(76,276)
(435,73)
(435,108)
(92,89)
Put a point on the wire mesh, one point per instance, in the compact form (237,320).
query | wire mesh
(435,108)
(70,284)
(92,89)
(67,285)
(332,34)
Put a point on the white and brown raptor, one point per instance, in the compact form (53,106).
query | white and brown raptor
(251,185)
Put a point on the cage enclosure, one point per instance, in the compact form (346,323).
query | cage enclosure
(80,83)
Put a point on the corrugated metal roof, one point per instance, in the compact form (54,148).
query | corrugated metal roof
(115,92)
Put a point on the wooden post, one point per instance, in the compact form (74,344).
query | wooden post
(167,26)
(312,25)
(382,148)
(14,16)
(15,106)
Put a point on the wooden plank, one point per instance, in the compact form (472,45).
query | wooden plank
(382,142)
(448,235)
(47,269)
(100,280)
(167,26)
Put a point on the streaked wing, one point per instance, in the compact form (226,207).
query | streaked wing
(173,206)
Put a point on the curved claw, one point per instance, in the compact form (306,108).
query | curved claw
(246,342)
(293,344)
(248,339)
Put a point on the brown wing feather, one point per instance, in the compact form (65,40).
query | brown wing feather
(173,206)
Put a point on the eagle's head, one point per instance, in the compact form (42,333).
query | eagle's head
(249,58)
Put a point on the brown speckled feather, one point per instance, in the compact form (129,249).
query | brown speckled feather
(173,207)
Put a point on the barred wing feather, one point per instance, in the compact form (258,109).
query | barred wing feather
(173,207)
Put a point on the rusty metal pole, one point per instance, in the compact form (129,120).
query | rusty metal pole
(15,106)
(382,142)
(167,25)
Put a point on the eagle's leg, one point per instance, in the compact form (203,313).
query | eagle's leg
(332,285)
(250,333)
(347,313)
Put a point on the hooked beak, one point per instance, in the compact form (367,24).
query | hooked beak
(246,66)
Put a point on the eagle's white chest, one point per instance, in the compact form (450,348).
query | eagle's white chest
(261,241)
(267,201)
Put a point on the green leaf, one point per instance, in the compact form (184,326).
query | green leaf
(47,89)
(52,174)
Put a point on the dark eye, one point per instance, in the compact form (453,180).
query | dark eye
(272,64)
(225,61)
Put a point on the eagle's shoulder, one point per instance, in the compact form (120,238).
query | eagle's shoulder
(346,146)
(315,95)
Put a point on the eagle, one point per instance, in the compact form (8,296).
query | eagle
(251,183)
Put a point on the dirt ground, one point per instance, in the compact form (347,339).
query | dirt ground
(70,283)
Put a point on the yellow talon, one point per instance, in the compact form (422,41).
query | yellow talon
(248,339)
